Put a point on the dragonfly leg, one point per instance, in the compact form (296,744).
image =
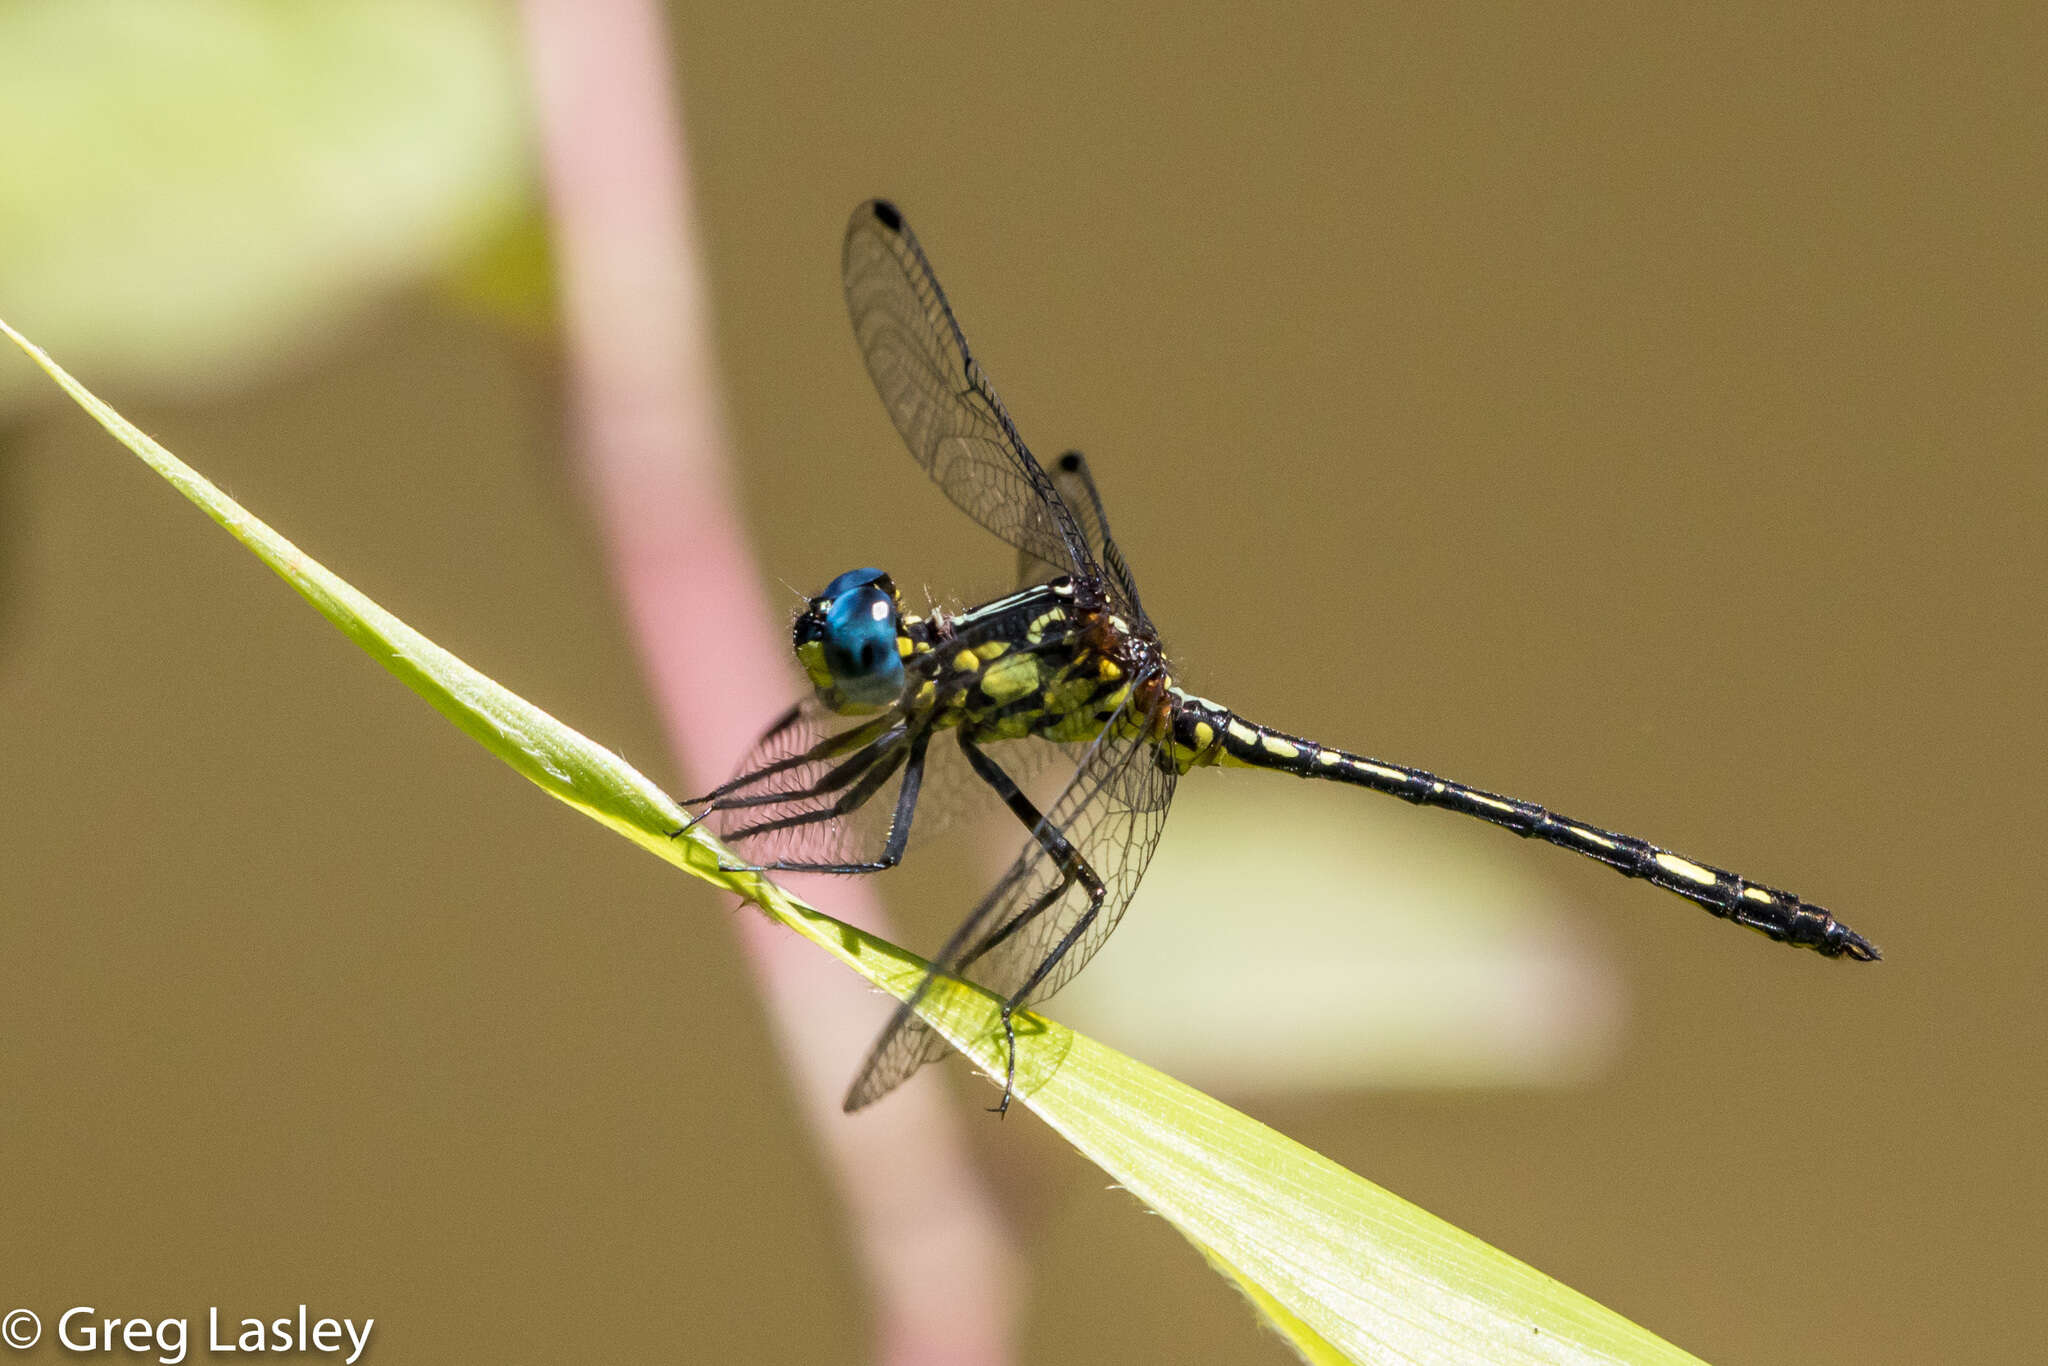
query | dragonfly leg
(1072,868)
(887,750)
(912,764)
(833,780)
(831,747)
(1046,965)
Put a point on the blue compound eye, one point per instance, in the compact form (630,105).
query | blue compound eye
(860,638)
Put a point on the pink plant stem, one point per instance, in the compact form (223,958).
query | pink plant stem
(649,437)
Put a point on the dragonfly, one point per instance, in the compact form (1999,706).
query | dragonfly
(1066,671)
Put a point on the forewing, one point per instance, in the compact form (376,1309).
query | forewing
(939,398)
(1111,813)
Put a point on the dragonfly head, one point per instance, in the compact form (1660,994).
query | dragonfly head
(848,642)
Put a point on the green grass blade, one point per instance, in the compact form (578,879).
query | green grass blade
(1341,1269)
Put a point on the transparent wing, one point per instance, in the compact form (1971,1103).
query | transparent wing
(1076,485)
(939,398)
(1110,814)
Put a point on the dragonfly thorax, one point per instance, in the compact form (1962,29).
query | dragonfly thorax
(1049,660)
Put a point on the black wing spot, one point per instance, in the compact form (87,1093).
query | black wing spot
(1070,462)
(889,215)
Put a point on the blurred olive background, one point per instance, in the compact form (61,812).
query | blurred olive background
(1635,409)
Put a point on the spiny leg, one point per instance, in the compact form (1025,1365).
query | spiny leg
(851,800)
(831,781)
(1776,914)
(1096,893)
(1072,868)
(912,763)
(831,747)
(1049,839)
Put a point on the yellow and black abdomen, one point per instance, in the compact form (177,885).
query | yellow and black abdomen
(1205,733)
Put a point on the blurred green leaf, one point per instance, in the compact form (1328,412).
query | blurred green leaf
(1341,1269)
(190,191)
(510,276)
